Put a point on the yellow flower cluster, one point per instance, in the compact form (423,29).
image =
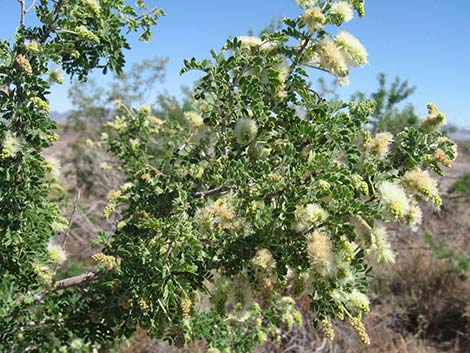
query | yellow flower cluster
(358,326)
(265,272)
(379,145)
(143,305)
(441,157)
(56,76)
(328,330)
(314,19)
(357,301)
(381,247)
(93,6)
(360,184)
(114,194)
(11,145)
(44,274)
(331,58)
(301,283)
(420,182)
(84,33)
(33,47)
(414,215)
(352,49)
(264,259)
(343,11)
(118,124)
(319,250)
(59,224)
(282,69)
(245,131)
(24,64)
(186,305)
(105,166)
(306,216)
(239,298)
(40,104)
(218,215)
(56,253)
(108,210)
(395,199)
(194,119)
(107,260)
(154,120)
(249,42)
(434,120)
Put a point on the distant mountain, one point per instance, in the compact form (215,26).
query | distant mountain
(59,117)
(462,134)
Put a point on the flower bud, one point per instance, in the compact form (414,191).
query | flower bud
(358,326)
(24,64)
(328,330)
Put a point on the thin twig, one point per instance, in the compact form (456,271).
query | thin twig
(156,170)
(30,6)
(168,251)
(69,226)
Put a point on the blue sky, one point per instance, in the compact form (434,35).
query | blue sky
(426,42)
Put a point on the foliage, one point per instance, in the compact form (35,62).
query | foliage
(461,186)
(387,115)
(77,36)
(464,146)
(458,264)
(266,191)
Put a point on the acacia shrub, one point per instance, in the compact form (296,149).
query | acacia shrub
(266,192)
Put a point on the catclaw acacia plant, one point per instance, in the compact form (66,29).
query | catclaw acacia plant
(77,36)
(268,192)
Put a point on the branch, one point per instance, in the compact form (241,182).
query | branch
(146,14)
(212,192)
(69,226)
(39,323)
(311,229)
(67,283)
(77,280)
(22,12)
(48,31)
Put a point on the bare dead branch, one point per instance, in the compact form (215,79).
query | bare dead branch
(212,192)
(67,283)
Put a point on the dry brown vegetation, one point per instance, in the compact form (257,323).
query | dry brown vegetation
(418,304)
